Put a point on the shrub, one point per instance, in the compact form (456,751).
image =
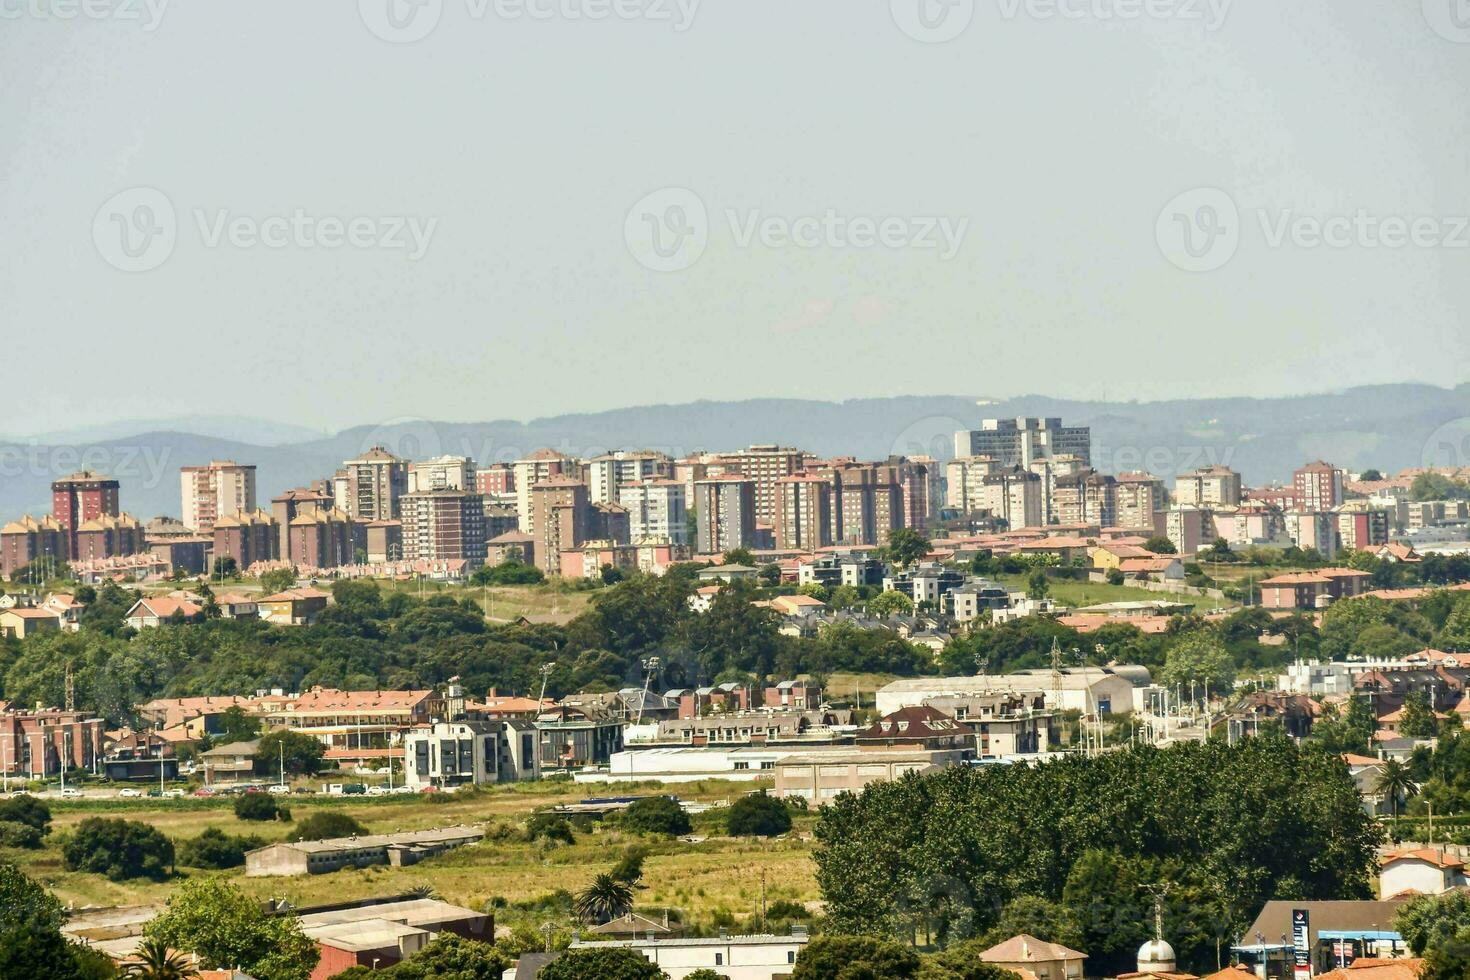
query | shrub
(549,826)
(758,815)
(260,806)
(656,815)
(27,810)
(15,834)
(327,824)
(119,849)
(832,957)
(604,964)
(216,850)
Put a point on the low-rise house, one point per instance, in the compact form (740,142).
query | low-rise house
(728,573)
(1041,959)
(21,622)
(1424,870)
(293,607)
(570,737)
(920,725)
(232,762)
(323,856)
(152,611)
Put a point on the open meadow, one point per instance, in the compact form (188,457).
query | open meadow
(707,878)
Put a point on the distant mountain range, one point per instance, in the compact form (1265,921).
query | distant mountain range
(1389,427)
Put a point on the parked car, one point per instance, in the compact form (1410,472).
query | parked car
(354,789)
(173,794)
(204,791)
(377,791)
(401,790)
(129,793)
(278,788)
(71,793)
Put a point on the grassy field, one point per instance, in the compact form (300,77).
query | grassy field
(1090,593)
(705,881)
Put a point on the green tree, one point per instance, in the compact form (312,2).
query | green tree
(1033,915)
(155,961)
(705,974)
(837,957)
(237,726)
(227,928)
(259,806)
(27,810)
(906,546)
(451,957)
(224,567)
(21,835)
(546,825)
(1160,545)
(604,964)
(656,815)
(119,849)
(31,943)
(1202,657)
(1037,585)
(604,899)
(1456,632)
(327,824)
(215,850)
(1419,720)
(302,753)
(739,556)
(1427,921)
(758,815)
(890,603)
(629,868)
(277,580)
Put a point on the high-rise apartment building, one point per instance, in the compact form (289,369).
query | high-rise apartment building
(1209,486)
(609,473)
(724,513)
(1089,497)
(542,466)
(443,525)
(247,537)
(868,500)
(766,465)
(804,514)
(561,516)
(325,538)
(964,482)
(210,492)
(1051,471)
(82,497)
(368,488)
(1317,486)
(290,505)
(442,473)
(1013,496)
(656,511)
(1142,500)
(1021,441)
(109,536)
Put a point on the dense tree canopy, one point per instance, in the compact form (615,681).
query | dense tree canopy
(227,928)
(941,855)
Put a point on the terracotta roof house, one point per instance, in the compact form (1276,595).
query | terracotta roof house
(1423,870)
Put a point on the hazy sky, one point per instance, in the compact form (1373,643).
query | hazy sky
(883,211)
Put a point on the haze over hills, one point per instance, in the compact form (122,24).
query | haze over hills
(1385,426)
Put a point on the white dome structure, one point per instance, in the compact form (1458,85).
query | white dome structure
(1156,956)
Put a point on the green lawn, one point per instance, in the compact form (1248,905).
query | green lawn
(1077,594)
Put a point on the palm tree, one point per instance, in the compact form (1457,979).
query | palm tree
(1394,781)
(605,899)
(157,962)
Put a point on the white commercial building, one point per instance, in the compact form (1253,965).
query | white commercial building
(1103,690)
(737,957)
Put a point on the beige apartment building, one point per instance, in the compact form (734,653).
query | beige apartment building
(767,465)
(542,466)
(1141,499)
(1013,496)
(1206,487)
(804,516)
(964,482)
(656,511)
(210,492)
(369,488)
